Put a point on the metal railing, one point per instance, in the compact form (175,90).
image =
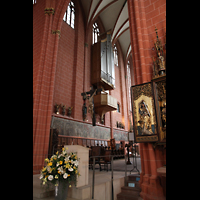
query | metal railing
(112,156)
(107,77)
(93,177)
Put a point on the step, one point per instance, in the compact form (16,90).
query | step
(40,191)
(134,177)
(126,196)
(53,198)
(130,190)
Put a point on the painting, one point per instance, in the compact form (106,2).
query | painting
(159,86)
(144,119)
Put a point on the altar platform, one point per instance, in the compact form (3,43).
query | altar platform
(102,186)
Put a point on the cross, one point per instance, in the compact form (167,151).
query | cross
(90,96)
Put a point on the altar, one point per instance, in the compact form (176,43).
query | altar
(83,154)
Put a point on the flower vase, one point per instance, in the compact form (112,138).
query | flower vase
(61,190)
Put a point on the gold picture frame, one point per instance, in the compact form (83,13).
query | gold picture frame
(143,110)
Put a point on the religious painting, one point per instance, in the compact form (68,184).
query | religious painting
(144,119)
(159,85)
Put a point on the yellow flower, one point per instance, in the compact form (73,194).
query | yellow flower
(70,186)
(44,168)
(49,164)
(67,165)
(61,162)
(57,153)
(46,160)
(63,149)
(59,172)
(68,174)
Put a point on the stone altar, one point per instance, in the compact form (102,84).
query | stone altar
(83,154)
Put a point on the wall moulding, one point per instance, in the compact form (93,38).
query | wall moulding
(69,127)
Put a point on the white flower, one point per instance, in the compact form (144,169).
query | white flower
(57,164)
(70,169)
(65,175)
(41,176)
(61,170)
(50,177)
(75,163)
(49,169)
(67,158)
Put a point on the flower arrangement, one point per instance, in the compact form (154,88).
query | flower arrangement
(60,168)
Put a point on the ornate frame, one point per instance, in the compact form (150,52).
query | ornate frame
(144,116)
(159,86)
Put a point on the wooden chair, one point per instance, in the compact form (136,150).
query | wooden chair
(95,151)
(106,160)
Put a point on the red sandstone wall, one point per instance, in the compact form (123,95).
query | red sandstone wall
(155,16)
(38,28)
(70,66)
(155,11)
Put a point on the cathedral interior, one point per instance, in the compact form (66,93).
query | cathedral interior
(99,80)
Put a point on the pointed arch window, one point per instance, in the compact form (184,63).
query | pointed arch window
(115,55)
(95,33)
(129,83)
(69,16)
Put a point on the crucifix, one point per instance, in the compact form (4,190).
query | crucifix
(90,96)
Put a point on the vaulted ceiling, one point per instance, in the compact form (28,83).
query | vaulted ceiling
(114,16)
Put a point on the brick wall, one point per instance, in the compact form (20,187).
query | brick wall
(70,65)
(38,28)
(155,16)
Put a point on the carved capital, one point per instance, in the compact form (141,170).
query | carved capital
(49,11)
(56,32)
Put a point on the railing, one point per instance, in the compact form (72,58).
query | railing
(107,77)
(113,156)
(93,177)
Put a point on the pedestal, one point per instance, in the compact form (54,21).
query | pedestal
(83,154)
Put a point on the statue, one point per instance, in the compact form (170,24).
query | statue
(145,122)
(90,96)
(57,108)
(159,62)
(63,109)
(163,115)
(69,112)
(84,110)
(91,103)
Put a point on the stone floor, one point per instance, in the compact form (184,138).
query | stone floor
(119,165)
(119,171)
